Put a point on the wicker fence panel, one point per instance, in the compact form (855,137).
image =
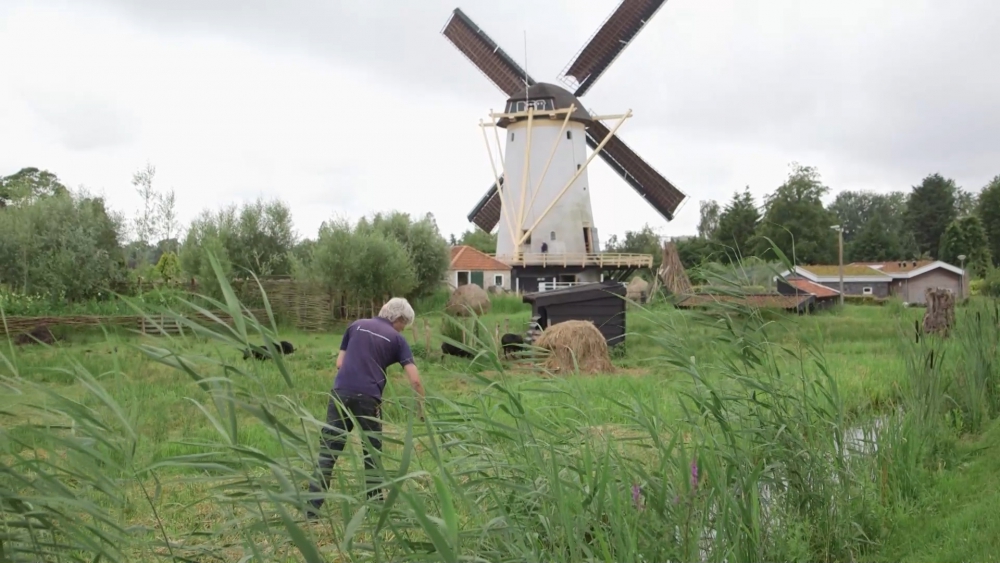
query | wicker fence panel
(20,325)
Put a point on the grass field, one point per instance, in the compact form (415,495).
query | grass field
(719,437)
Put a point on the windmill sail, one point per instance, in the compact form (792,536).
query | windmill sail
(608,42)
(486,213)
(473,42)
(650,184)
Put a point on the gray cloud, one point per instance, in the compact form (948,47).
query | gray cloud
(876,93)
(85,124)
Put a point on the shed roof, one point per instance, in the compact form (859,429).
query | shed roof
(468,258)
(898,265)
(849,270)
(761,300)
(584,292)
(813,288)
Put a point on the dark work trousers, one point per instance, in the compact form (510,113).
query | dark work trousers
(338,424)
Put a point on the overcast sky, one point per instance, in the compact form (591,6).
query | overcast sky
(347,108)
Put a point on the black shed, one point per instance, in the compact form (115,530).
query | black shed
(603,303)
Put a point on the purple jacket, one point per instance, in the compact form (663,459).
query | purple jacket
(372,345)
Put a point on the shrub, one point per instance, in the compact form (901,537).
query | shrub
(990,285)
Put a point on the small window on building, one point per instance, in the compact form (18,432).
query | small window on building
(552,235)
(866,291)
(577,166)
(527,240)
(498,280)
(569,134)
(461,278)
(512,137)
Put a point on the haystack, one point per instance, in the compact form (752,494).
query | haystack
(637,290)
(466,297)
(575,344)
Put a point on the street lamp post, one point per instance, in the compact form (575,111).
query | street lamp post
(961,290)
(840,259)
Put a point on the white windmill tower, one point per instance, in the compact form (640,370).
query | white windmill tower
(541,201)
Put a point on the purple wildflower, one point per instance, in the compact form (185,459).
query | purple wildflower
(637,496)
(694,474)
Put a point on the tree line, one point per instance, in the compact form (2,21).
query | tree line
(66,245)
(69,245)
(935,220)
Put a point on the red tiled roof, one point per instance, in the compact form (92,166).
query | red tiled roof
(762,301)
(813,288)
(468,258)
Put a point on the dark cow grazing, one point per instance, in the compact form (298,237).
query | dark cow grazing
(511,343)
(39,334)
(284,348)
(452,350)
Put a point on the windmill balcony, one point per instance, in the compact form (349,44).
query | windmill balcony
(603,259)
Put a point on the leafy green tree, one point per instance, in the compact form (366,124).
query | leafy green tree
(965,203)
(874,228)
(426,248)
(967,237)
(930,208)
(258,237)
(694,252)
(988,210)
(168,268)
(478,239)
(796,220)
(738,226)
(62,246)
(872,244)
(643,241)
(28,185)
(361,263)
(708,223)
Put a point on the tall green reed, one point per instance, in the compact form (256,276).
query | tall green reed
(758,460)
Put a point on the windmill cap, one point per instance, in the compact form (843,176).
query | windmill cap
(555,97)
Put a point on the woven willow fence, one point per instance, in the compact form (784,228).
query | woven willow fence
(155,324)
(306,305)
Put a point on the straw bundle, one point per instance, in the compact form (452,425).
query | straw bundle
(575,344)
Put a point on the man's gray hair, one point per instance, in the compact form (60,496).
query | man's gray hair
(397,308)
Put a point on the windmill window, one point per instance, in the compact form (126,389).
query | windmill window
(512,137)
(552,235)
(577,166)
(569,134)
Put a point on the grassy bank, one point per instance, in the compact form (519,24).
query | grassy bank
(720,437)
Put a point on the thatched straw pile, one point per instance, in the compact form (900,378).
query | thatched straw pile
(636,289)
(466,297)
(575,344)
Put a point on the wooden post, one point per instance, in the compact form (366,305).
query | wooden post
(940,314)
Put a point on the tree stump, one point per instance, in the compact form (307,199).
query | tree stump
(940,314)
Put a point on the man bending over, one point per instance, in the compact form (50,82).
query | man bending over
(369,347)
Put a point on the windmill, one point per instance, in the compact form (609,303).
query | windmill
(541,200)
